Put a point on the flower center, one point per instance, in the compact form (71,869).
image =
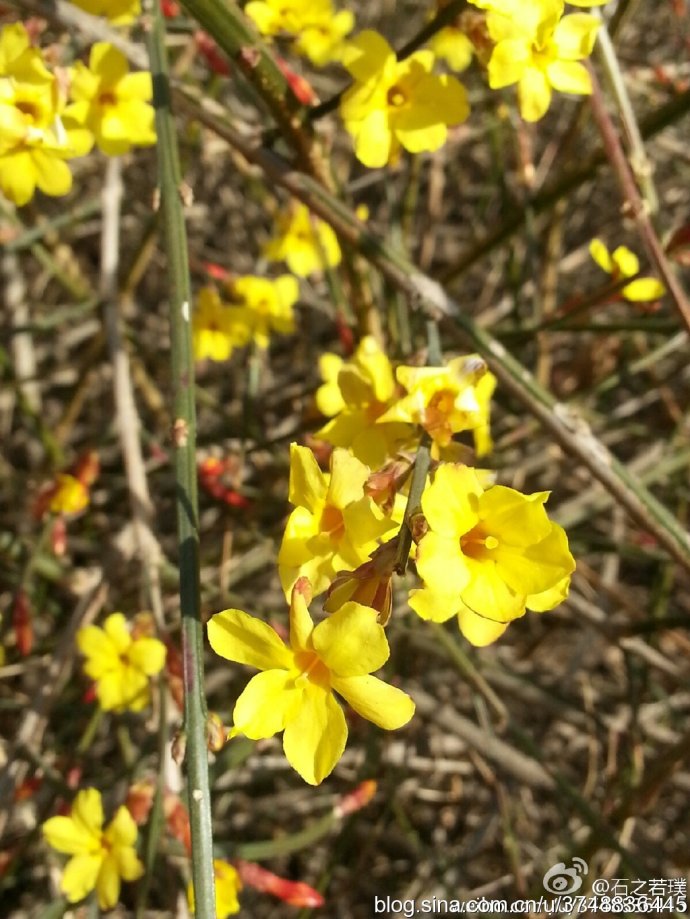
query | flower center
(396,97)
(312,668)
(332,523)
(107,98)
(477,544)
(437,414)
(30,109)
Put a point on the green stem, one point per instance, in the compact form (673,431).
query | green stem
(421,465)
(184,441)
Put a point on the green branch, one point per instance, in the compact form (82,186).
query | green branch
(184,439)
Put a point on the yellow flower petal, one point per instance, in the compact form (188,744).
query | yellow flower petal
(548,599)
(315,738)
(115,627)
(239,637)
(301,624)
(508,62)
(350,641)
(122,830)
(441,564)
(625,262)
(265,704)
(66,835)
(87,810)
(108,883)
(450,502)
(643,290)
(307,483)
(575,35)
(147,655)
(432,606)
(534,94)
(300,527)
(386,706)
(570,77)
(488,595)
(478,631)
(366,54)
(80,875)
(601,255)
(348,476)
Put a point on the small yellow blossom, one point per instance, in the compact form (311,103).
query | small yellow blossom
(217,328)
(101,858)
(120,664)
(294,691)
(111,102)
(622,263)
(488,555)
(443,400)
(69,497)
(397,103)
(539,49)
(228,885)
(34,142)
(266,305)
(318,29)
(306,243)
(118,12)
(335,525)
(355,394)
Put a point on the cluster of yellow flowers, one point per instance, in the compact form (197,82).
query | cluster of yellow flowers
(258,306)
(317,29)
(531,44)
(402,104)
(120,659)
(47,119)
(484,552)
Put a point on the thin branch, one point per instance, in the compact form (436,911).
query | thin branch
(184,443)
(633,203)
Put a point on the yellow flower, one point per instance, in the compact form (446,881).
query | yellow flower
(266,305)
(318,28)
(100,858)
(33,140)
(397,103)
(216,327)
(443,400)
(488,555)
(334,526)
(294,691)
(111,102)
(118,12)
(120,664)
(539,49)
(228,885)
(622,263)
(357,392)
(306,243)
(70,496)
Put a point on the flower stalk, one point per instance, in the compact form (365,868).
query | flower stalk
(184,442)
